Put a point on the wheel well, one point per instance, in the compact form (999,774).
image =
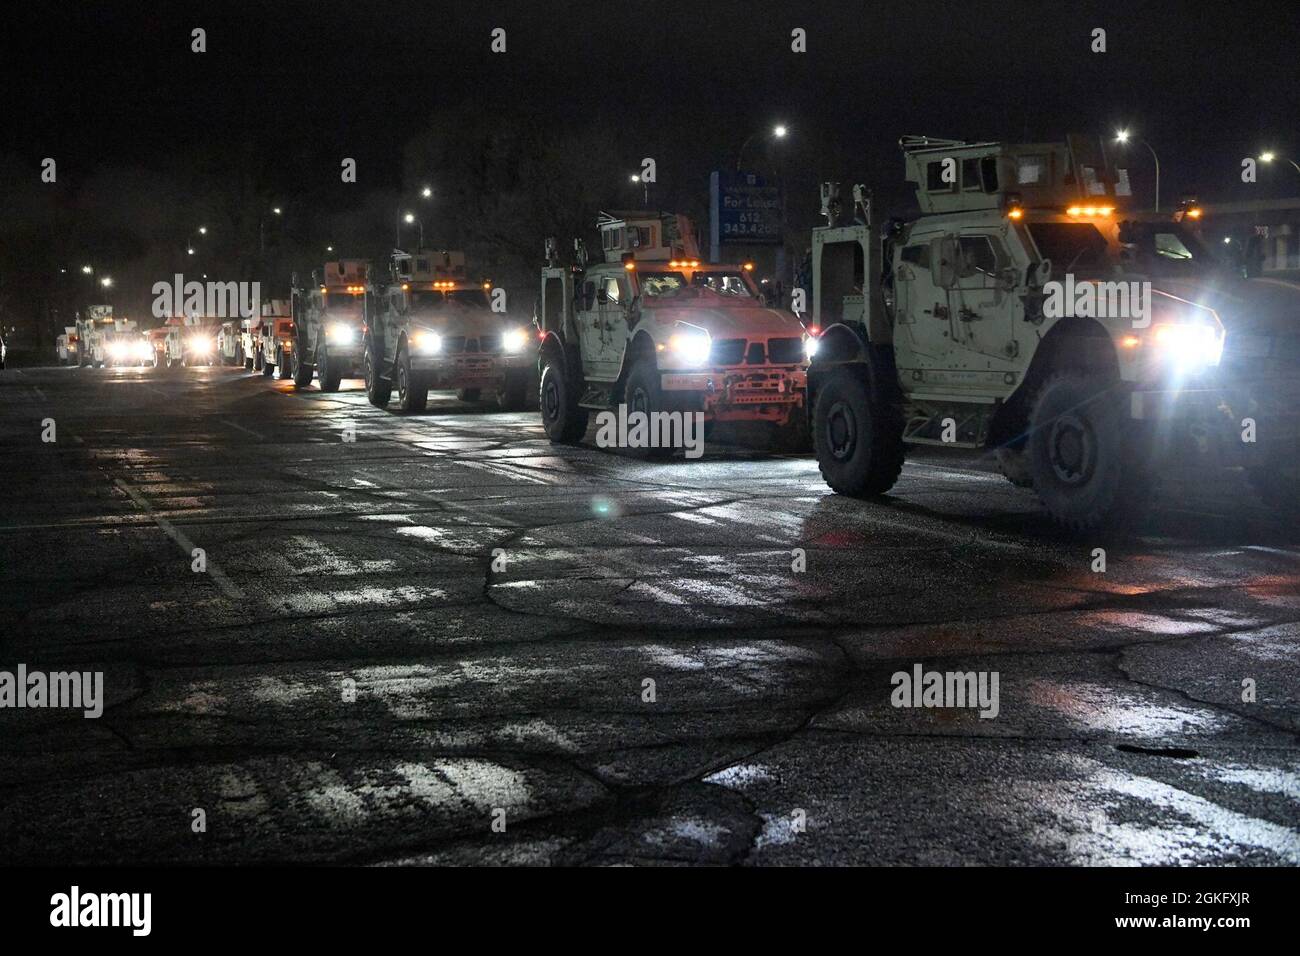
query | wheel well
(1073,343)
(641,346)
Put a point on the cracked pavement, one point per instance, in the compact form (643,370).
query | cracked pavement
(401,639)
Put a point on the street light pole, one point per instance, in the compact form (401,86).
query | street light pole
(1123,137)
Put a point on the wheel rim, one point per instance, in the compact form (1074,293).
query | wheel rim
(402,384)
(551,399)
(1072,449)
(841,431)
(369,374)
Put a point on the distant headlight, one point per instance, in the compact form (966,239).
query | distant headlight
(515,340)
(1188,345)
(117,350)
(691,346)
(143,349)
(426,342)
(200,345)
(341,334)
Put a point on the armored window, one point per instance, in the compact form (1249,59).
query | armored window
(970,175)
(610,293)
(989,169)
(588,294)
(934,178)
(980,256)
(1031,170)
(918,256)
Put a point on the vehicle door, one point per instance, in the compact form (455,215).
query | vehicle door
(983,300)
(922,317)
(612,297)
(587,317)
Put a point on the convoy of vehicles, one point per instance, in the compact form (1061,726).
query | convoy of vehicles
(657,329)
(328,320)
(1012,315)
(433,327)
(1025,312)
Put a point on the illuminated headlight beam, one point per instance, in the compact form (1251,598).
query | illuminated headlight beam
(691,346)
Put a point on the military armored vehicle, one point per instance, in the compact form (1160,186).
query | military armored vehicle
(1024,312)
(432,327)
(328,319)
(272,338)
(656,328)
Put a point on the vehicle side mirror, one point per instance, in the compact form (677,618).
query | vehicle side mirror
(1043,273)
(943,262)
(633,310)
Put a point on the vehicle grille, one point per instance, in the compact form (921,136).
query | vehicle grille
(727,352)
(785,351)
(456,344)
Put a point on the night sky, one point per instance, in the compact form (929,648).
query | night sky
(115,86)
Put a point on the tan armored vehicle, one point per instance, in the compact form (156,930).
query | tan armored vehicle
(433,327)
(328,322)
(1027,313)
(656,328)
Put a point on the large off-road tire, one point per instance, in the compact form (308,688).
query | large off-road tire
(172,362)
(248,363)
(301,370)
(412,391)
(379,390)
(259,361)
(857,435)
(267,368)
(565,422)
(643,393)
(330,373)
(1083,454)
(281,364)
(1014,466)
(513,394)
(468,394)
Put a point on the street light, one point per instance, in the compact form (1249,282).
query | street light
(106,281)
(778,132)
(1269,156)
(1122,137)
(410,218)
(426,192)
(87,270)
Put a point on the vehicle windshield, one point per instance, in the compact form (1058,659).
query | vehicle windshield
(1166,250)
(436,298)
(1073,247)
(674,286)
(342,302)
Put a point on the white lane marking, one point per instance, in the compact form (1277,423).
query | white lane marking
(214,571)
(249,431)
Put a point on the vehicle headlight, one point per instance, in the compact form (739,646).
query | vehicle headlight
(341,334)
(810,343)
(199,344)
(116,350)
(691,346)
(1188,344)
(143,350)
(515,340)
(426,342)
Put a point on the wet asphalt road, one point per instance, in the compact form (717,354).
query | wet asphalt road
(364,569)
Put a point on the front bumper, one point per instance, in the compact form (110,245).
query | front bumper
(469,369)
(762,393)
